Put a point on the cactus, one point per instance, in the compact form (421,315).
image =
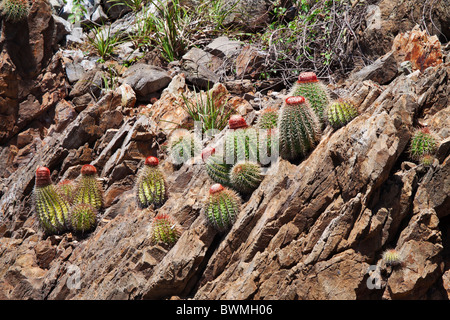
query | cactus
(246,176)
(89,190)
(339,113)
(164,229)
(268,119)
(66,189)
(151,185)
(222,207)
(241,141)
(183,145)
(392,258)
(83,218)
(51,208)
(268,146)
(216,167)
(15,10)
(313,90)
(423,143)
(299,128)
(427,160)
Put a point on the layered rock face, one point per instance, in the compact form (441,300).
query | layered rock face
(316,228)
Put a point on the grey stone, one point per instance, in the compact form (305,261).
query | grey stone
(383,70)
(146,79)
(224,47)
(74,72)
(200,67)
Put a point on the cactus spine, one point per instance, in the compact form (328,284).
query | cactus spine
(151,185)
(222,207)
(423,143)
(339,113)
(15,10)
(83,218)
(89,190)
(241,141)
(164,229)
(246,176)
(268,119)
(216,167)
(52,209)
(66,189)
(392,258)
(183,145)
(313,90)
(299,128)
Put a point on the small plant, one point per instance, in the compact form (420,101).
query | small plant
(164,229)
(79,11)
(241,141)
(339,113)
(103,41)
(392,258)
(183,145)
(427,160)
(222,207)
(299,128)
(15,10)
(246,176)
(313,90)
(89,191)
(216,167)
(423,142)
(83,218)
(150,185)
(268,119)
(52,209)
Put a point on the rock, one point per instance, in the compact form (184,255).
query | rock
(249,63)
(223,47)
(201,67)
(99,16)
(146,79)
(248,14)
(74,72)
(62,29)
(383,70)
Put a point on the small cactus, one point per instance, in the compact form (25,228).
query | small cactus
(222,207)
(15,10)
(268,145)
(151,185)
(66,189)
(423,143)
(216,167)
(299,128)
(268,119)
(427,160)
(183,145)
(339,113)
(89,190)
(246,176)
(392,258)
(51,208)
(164,229)
(83,218)
(313,90)
(241,141)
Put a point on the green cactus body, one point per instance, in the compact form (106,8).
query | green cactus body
(423,143)
(222,207)
(299,128)
(164,229)
(241,145)
(427,160)
(268,146)
(245,177)
(268,119)
(151,185)
(83,218)
(52,209)
(216,166)
(183,145)
(313,90)
(66,189)
(339,113)
(89,190)
(15,10)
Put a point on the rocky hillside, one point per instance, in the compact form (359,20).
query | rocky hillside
(357,217)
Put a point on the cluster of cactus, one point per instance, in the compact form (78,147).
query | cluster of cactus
(183,145)
(88,189)
(14,10)
(339,113)
(68,205)
(151,186)
(299,128)
(165,229)
(313,90)
(423,145)
(222,207)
